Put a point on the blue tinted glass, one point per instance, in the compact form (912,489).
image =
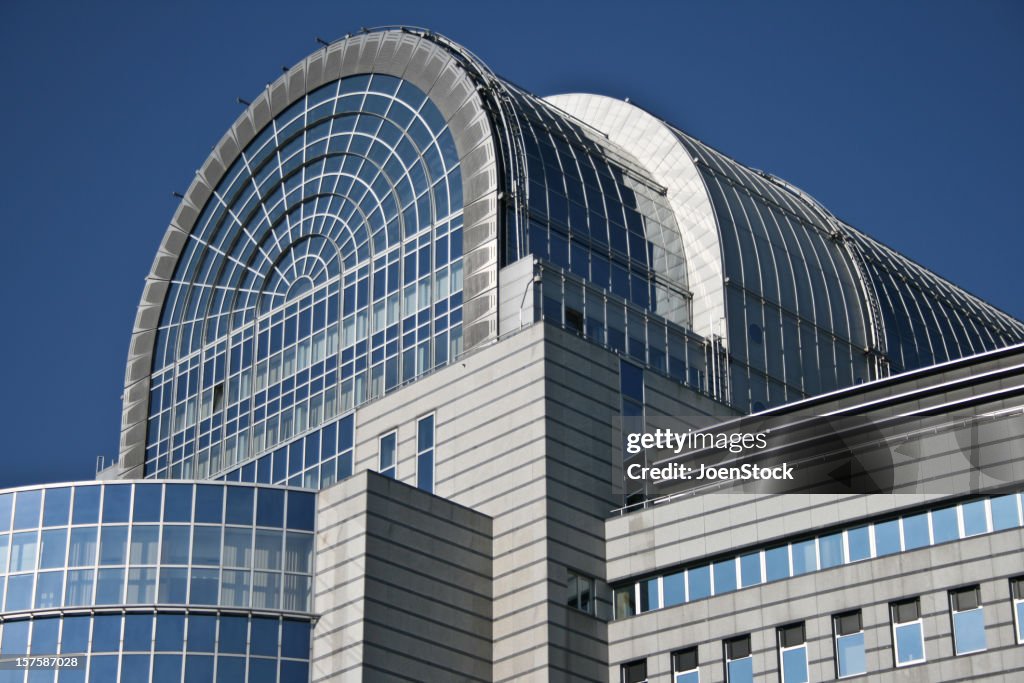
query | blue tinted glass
(301,510)
(199,669)
(264,637)
(106,633)
(239,508)
(945,525)
(48,589)
(1004,512)
(725,576)
(741,670)
(230,669)
(6,505)
(262,671)
(117,500)
(175,546)
(209,504)
(110,586)
(53,544)
(969,631)
(83,547)
(688,677)
(776,563)
(27,509)
(203,588)
(631,380)
(202,633)
(915,531)
(887,538)
(794,665)
(113,544)
(15,639)
(19,593)
(134,668)
(909,643)
(78,588)
(206,545)
(102,668)
(56,508)
(850,650)
(649,595)
(173,585)
(1020,620)
(170,632)
(425,471)
(233,634)
(804,557)
(148,502)
(270,507)
(750,569)
(178,503)
(975,520)
(166,669)
(87,505)
(138,632)
(74,635)
(425,434)
(44,636)
(294,671)
(698,582)
(859,540)
(830,548)
(295,639)
(674,587)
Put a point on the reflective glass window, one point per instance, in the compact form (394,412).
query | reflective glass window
(173,586)
(6,506)
(15,638)
(234,633)
(27,508)
(113,544)
(915,532)
(750,569)
(135,667)
(19,592)
(102,668)
(86,508)
(298,552)
(776,563)
(975,518)
(116,502)
(138,632)
(144,544)
(1005,512)
(199,668)
(239,505)
(82,549)
(170,632)
(110,586)
(53,547)
(887,538)
(57,507)
(23,551)
(203,586)
(301,510)
(263,638)
(725,576)
(237,547)
(106,633)
(674,588)
(167,668)
(147,503)
(209,504)
(698,582)
(202,633)
(48,589)
(178,503)
(45,636)
(968,620)
(805,557)
(175,545)
(74,635)
(830,550)
(945,525)
(141,585)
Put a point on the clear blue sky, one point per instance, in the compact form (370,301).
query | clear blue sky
(904,118)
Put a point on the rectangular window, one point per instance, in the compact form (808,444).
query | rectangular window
(635,672)
(388,454)
(1017,595)
(685,667)
(848,631)
(907,631)
(579,592)
(968,620)
(793,653)
(425,453)
(739,662)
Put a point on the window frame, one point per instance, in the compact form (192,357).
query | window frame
(784,649)
(432,451)
(677,672)
(728,659)
(837,637)
(895,625)
(391,472)
(581,580)
(954,612)
(625,668)
(1017,605)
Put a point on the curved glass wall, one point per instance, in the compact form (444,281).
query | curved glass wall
(325,270)
(180,579)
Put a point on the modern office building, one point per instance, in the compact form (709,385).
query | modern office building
(369,408)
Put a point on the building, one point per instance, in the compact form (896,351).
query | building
(426,295)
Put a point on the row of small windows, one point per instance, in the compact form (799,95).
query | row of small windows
(966,612)
(162,648)
(855,544)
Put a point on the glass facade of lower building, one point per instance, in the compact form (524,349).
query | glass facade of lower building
(168,582)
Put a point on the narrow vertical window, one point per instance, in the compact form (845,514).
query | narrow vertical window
(793,653)
(685,668)
(849,641)
(631,388)
(580,592)
(907,631)
(1017,595)
(634,672)
(425,453)
(388,457)
(739,662)
(968,620)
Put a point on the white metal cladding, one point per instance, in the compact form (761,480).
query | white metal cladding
(810,304)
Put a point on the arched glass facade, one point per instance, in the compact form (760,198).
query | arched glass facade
(324,270)
(163,582)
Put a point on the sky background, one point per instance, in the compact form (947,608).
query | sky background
(904,118)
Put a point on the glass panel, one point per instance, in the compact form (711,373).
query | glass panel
(794,665)
(267,554)
(53,548)
(859,540)
(830,548)
(74,635)
(206,545)
(750,569)
(48,589)
(144,544)
(173,584)
(87,505)
(850,650)
(776,563)
(110,586)
(674,589)
(270,507)
(887,538)
(147,503)
(138,632)
(178,503)
(113,544)
(945,525)
(725,576)
(969,631)
(804,557)
(78,590)
(234,633)
(175,546)
(23,551)
(203,587)
(1004,512)
(975,519)
(298,552)
(909,643)
(266,589)
(116,502)
(264,637)
(209,504)
(237,547)
(27,509)
(240,505)
(57,507)
(141,585)
(915,532)
(235,588)
(83,547)
(698,583)
(741,670)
